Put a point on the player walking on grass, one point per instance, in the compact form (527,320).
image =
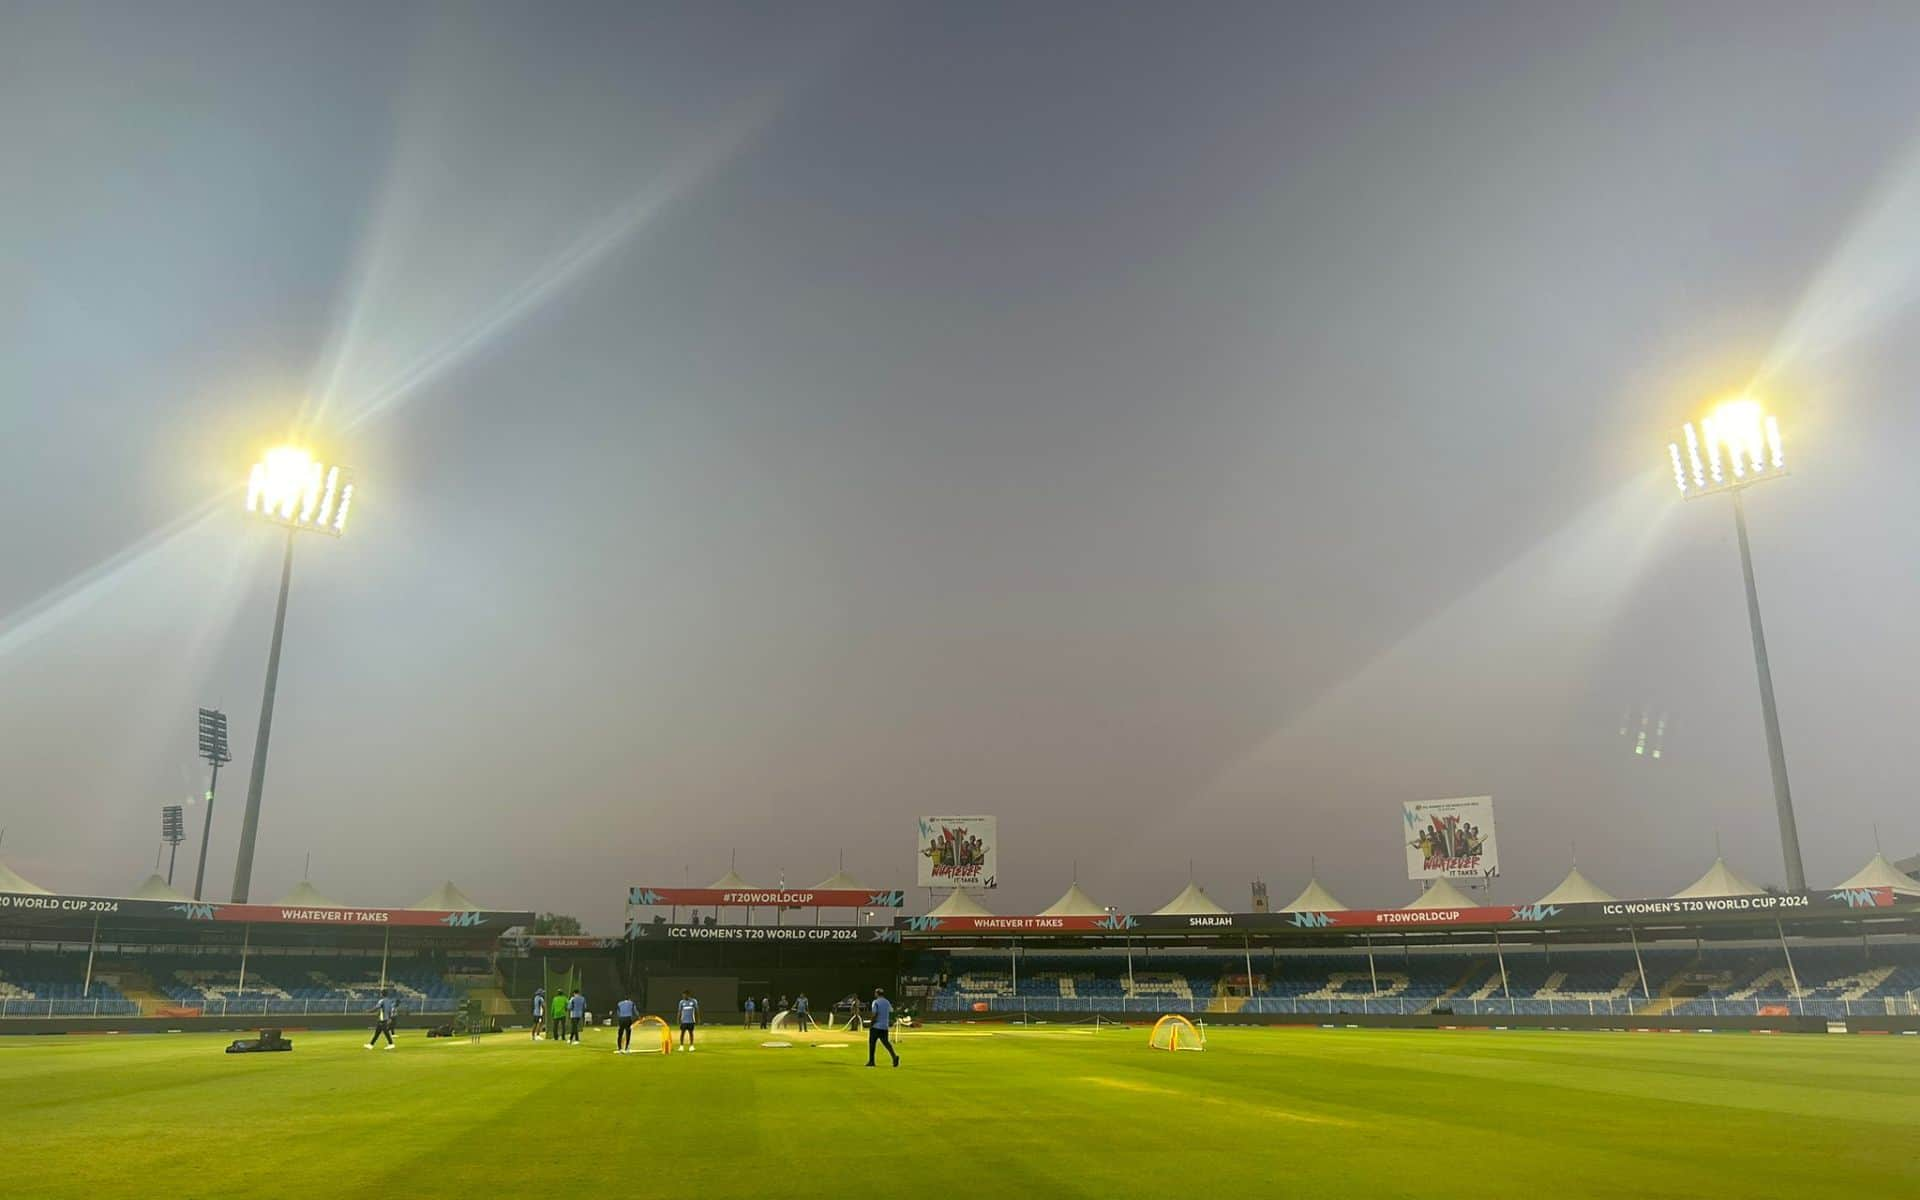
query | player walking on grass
(539,1012)
(749,1012)
(576,1009)
(880,1029)
(689,1017)
(624,1012)
(383,1023)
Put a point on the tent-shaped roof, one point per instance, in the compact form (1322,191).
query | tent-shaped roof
(305,896)
(1720,880)
(446,898)
(959,904)
(1577,889)
(840,881)
(1880,873)
(1075,903)
(1441,894)
(155,887)
(9,882)
(1314,898)
(1193,901)
(731,882)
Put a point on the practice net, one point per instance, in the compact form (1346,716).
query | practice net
(651,1036)
(1174,1032)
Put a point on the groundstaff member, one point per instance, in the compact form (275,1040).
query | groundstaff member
(880,1029)
(689,1017)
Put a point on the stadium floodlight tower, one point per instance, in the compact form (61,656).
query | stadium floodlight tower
(213,748)
(1732,449)
(173,831)
(292,489)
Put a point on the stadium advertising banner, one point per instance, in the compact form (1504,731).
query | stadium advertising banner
(54,909)
(1450,839)
(684,897)
(957,852)
(814,935)
(1612,913)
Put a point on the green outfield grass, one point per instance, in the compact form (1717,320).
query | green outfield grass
(1045,1112)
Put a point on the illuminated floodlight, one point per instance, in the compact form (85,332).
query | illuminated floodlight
(1736,445)
(290,487)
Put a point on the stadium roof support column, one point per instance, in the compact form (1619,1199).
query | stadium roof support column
(1792,975)
(93,943)
(1634,937)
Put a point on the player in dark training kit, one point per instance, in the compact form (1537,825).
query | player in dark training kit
(880,1030)
(623,1040)
(689,1017)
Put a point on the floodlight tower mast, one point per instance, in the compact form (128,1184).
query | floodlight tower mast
(1735,448)
(173,831)
(289,488)
(213,748)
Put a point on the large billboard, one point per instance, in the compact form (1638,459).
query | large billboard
(957,852)
(1450,839)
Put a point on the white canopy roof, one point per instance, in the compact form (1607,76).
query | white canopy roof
(1193,901)
(840,881)
(959,904)
(447,898)
(305,896)
(1075,903)
(731,882)
(1314,898)
(1880,873)
(1720,880)
(1441,894)
(9,882)
(155,887)
(1577,889)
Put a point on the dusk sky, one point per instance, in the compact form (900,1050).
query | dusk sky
(1185,432)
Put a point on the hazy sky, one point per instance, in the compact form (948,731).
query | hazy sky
(1184,431)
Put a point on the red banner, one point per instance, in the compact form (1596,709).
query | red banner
(683,897)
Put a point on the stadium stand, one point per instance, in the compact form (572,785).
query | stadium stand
(1832,979)
(53,984)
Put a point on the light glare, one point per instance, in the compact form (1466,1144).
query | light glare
(289,487)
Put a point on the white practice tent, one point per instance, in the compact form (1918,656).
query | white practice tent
(10,882)
(959,904)
(1880,873)
(446,898)
(1193,901)
(1577,889)
(1720,880)
(1314,898)
(1075,903)
(155,887)
(1442,894)
(305,896)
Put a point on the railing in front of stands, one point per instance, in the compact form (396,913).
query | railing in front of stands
(29,1008)
(1703,1006)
